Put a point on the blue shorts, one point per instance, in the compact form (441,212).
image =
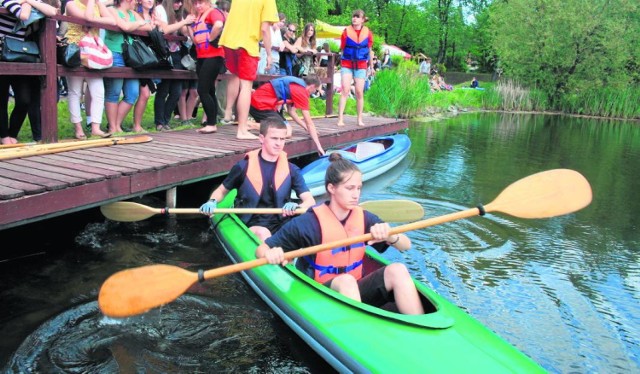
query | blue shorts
(358,73)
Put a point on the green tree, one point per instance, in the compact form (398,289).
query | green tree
(566,46)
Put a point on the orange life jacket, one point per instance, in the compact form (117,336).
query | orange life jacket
(251,188)
(344,260)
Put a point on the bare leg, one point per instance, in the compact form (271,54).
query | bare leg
(359,99)
(398,280)
(192,100)
(233,87)
(262,233)
(140,107)
(244,101)
(182,105)
(344,95)
(123,110)
(347,285)
(112,115)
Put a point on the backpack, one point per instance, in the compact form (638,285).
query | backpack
(159,44)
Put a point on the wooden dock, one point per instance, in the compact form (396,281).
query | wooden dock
(39,187)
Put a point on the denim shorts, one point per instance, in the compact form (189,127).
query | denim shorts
(357,73)
(113,87)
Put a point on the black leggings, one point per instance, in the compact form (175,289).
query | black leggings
(208,70)
(26,94)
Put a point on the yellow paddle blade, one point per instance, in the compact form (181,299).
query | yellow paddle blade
(125,211)
(395,210)
(546,194)
(135,291)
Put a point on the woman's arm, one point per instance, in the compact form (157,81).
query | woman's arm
(125,25)
(45,9)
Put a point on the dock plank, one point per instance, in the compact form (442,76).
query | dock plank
(39,187)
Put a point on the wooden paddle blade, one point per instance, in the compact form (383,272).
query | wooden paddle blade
(133,140)
(546,194)
(135,291)
(125,211)
(395,210)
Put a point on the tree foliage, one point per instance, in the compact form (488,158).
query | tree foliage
(566,46)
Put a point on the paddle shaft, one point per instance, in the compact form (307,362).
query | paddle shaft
(224,210)
(230,269)
(36,150)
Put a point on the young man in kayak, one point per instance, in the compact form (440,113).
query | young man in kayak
(269,100)
(264,179)
(342,268)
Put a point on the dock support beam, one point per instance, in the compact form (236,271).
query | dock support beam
(172,197)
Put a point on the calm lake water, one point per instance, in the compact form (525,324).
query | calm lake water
(566,290)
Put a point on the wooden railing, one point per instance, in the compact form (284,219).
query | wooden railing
(50,71)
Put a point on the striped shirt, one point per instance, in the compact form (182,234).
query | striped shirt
(8,22)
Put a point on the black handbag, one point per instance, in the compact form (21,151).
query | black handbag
(138,55)
(16,50)
(68,54)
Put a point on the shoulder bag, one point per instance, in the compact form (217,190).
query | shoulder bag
(16,50)
(138,55)
(94,54)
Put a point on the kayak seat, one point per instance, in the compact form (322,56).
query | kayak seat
(368,149)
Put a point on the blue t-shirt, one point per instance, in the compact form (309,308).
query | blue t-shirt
(237,176)
(304,231)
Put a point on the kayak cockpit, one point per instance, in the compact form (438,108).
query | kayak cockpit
(434,317)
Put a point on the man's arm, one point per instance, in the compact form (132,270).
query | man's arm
(265,27)
(307,200)
(311,128)
(219,193)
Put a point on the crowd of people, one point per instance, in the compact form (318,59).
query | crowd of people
(243,39)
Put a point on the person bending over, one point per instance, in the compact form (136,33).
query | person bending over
(269,100)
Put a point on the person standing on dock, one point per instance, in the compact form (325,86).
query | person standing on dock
(248,22)
(270,99)
(264,179)
(342,268)
(356,62)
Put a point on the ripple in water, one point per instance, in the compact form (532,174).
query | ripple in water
(192,334)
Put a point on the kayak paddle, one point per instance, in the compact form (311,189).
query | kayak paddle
(45,149)
(546,194)
(387,210)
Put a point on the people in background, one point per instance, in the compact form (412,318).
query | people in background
(168,90)
(474,83)
(116,109)
(249,21)
(276,43)
(95,11)
(324,59)
(386,59)
(288,49)
(306,46)
(264,178)
(147,10)
(205,33)
(425,66)
(357,56)
(342,268)
(26,89)
(270,100)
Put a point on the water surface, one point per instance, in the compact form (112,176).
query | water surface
(565,290)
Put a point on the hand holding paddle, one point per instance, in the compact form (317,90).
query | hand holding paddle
(546,194)
(387,210)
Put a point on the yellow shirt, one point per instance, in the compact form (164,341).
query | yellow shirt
(242,29)
(75,32)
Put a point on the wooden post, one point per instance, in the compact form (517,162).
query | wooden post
(49,84)
(329,92)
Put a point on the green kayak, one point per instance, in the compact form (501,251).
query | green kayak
(355,337)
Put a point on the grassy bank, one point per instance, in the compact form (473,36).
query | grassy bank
(403,93)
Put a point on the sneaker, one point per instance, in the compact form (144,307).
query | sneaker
(226,122)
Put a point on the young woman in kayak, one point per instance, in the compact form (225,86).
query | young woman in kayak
(342,268)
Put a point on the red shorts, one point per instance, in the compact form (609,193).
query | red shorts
(239,62)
